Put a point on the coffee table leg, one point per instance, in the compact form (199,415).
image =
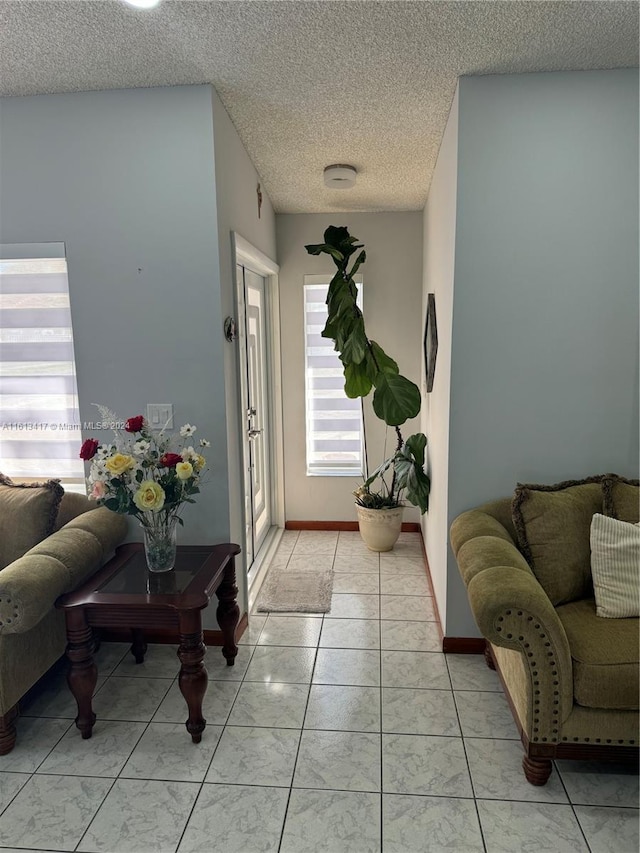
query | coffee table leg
(83,674)
(228,612)
(193,676)
(138,646)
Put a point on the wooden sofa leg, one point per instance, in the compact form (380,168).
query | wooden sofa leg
(488,657)
(537,770)
(8,730)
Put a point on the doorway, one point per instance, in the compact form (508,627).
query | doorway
(257,431)
(260,406)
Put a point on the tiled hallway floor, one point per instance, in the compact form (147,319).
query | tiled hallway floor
(349,732)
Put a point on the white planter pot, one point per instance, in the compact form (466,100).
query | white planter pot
(379,528)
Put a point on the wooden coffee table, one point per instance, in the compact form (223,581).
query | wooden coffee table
(125,594)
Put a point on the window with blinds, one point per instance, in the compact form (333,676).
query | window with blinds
(334,422)
(39,418)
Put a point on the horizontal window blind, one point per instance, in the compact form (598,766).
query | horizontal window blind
(334,422)
(40,434)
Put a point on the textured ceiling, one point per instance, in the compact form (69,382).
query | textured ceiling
(312,83)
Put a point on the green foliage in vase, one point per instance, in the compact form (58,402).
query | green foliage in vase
(367,367)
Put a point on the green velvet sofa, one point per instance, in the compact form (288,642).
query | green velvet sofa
(571,677)
(32,631)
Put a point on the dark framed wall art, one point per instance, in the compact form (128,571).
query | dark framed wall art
(430,342)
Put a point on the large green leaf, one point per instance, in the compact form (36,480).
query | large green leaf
(342,297)
(339,301)
(337,235)
(370,364)
(409,469)
(344,303)
(416,444)
(316,248)
(355,346)
(344,326)
(379,471)
(418,488)
(357,383)
(319,248)
(331,328)
(340,239)
(336,254)
(383,361)
(362,257)
(336,283)
(396,399)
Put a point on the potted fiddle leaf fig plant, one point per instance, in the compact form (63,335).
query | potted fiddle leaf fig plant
(367,367)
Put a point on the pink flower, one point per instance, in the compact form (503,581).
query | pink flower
(89,449)
(99,490)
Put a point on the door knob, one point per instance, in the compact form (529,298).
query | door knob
(252,433)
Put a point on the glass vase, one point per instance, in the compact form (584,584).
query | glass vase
(160,545)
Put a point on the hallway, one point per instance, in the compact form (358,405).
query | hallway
(343,733)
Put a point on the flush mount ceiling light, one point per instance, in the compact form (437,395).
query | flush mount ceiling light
(142,4)
(340,176)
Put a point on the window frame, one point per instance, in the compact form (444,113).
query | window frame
(73,480)
(329,468)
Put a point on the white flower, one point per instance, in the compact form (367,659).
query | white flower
(97,471)
(188,454)
(187,430)
(141,446)
(204,443)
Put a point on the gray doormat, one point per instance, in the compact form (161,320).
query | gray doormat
(296,592)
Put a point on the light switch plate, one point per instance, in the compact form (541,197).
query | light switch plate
(160,415)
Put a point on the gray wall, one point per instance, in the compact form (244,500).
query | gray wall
(439,223)
(544,367)
(237,208)
(126,180)
(392,308)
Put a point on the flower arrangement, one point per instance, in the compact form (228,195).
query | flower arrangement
(144,474)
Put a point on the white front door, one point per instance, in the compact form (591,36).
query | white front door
(257,417)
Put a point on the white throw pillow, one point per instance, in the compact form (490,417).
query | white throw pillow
(615,567)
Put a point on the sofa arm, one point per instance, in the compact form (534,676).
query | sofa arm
(31,584)
(28,589)
(109,528)
(513,611)
(475,523)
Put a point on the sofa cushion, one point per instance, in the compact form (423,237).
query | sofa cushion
(615,567)
(621,498)
(77,550)
(605,656)
(27,516)
(71,506)
(552,524)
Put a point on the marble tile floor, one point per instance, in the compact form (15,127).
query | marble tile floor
(343,733)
